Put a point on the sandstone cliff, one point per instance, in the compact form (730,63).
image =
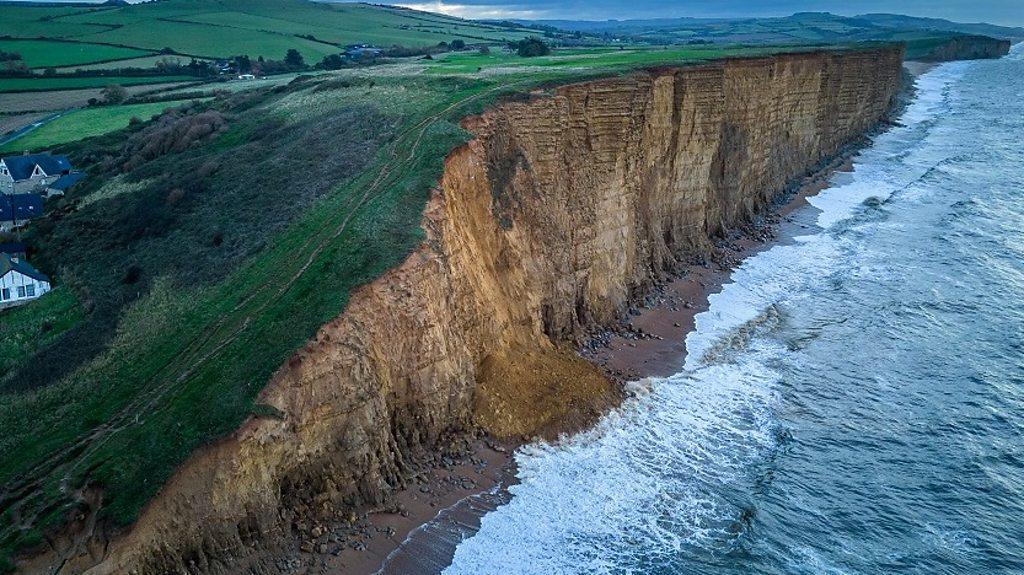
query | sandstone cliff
(967,48)
(562,208)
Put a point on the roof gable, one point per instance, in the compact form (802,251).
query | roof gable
(21,167)
(7,265)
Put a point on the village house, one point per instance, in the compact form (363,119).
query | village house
(19,281)
(31,173)
(357,51)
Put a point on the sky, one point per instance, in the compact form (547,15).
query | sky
(1005,12)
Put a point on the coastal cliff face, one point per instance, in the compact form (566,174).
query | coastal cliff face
(562,208)
(968,48)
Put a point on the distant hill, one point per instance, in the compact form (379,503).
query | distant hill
(917,23)
(801,27)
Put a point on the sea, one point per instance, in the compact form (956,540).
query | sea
(851,403)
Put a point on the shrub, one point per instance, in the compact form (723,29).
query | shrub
(332,62)
(457,45)
(172,132)
(114,94)
(294,59)
(531,47)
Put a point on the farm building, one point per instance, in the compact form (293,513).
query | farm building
(355,51)
(20,282)
(31,173)
(17,209)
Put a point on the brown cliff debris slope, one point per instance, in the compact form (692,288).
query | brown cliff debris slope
(562,209)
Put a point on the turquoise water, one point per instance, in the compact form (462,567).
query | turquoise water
(853,402)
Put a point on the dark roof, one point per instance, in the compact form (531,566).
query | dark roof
(21,166)
(12,248)
(21,266)
(20,207)
(65,182)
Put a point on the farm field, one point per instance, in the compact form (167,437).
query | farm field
(54,100)
(44,84)
(85,123)
(46,53)
(222,28)
(507,62)
(142,62)
(11,122)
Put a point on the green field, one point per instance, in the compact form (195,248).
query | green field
(204,274)
(85,123)
(45,54)
(44,84)
(142,62)
(583,58)
(222,28)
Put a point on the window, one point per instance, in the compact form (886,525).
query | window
(21,291)
(5,294)
(31,290)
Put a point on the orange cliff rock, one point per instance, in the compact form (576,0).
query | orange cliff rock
(563,208)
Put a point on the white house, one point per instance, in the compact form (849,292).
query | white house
(20,282)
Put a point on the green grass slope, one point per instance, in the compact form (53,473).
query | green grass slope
(85,123)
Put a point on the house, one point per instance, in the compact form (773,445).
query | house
(31,173)
(20,282)
(17,209)
(356,51)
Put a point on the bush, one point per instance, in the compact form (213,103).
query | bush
(484,50)
(114,94)
(531,47)
(332,62)
(294,59)
(457,45)
(173,132)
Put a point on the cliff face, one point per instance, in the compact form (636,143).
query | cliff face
(967,48)
(562,208)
